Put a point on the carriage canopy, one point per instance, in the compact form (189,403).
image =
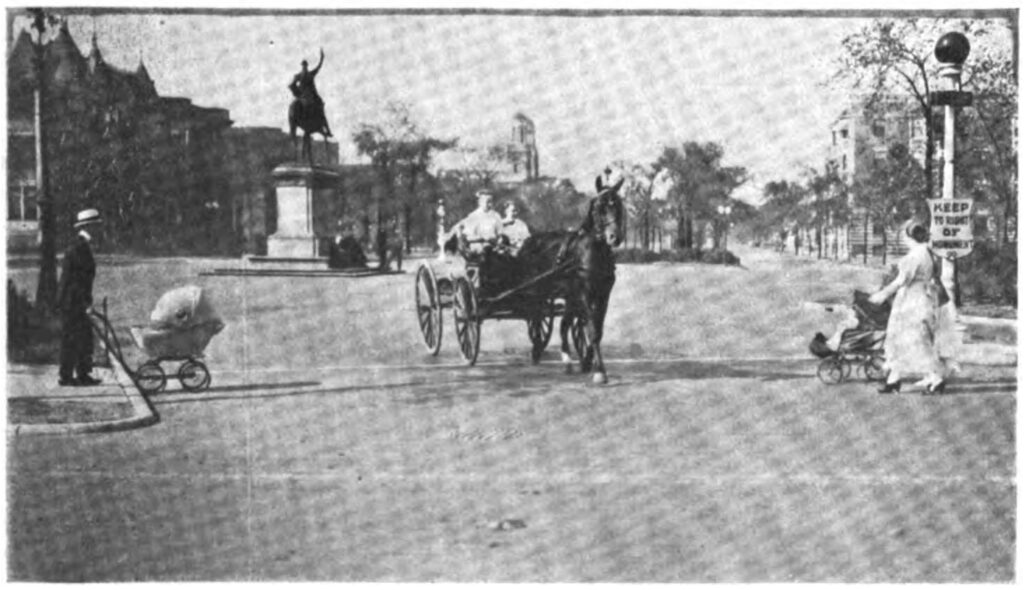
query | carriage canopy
(183,308)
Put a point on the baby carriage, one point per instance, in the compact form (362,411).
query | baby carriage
(180,328)
(862,345)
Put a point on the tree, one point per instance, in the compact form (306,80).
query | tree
(890,192)
(400,153)
(640,207)
(698,181)
(890,58)
(782,209)
(830,204)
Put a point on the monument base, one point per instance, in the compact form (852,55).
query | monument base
(292,247)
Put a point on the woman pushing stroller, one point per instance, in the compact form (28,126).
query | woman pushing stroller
(920,332)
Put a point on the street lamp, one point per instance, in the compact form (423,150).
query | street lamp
(951,50)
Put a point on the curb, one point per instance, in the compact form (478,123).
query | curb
(145,414)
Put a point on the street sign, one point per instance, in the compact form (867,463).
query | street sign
(952,230)
(952,98)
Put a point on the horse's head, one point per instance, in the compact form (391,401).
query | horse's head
(605,217)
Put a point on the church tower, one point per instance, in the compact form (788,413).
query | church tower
(522,149)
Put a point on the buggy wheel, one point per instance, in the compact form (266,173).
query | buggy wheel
(831,371)
(150,377)
(539,328)
(874,369)
(194,375)
(467,319)
(428,309)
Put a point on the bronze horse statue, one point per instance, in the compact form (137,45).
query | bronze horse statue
(307,110)
(589,275)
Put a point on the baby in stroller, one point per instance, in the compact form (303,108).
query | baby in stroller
(859,342)
(180,328)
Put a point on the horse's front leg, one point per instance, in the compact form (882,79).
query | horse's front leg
(600,310)
(563,330)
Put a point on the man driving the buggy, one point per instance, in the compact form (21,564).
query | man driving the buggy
(481,230)
(481,239)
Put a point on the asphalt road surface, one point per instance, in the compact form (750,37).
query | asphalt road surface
(331,447)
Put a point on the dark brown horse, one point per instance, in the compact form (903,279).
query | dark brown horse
(307,115)
(587,281)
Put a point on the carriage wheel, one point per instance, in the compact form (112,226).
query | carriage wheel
(831,371)
(874,369)
(467,320)
(150,378)
(428,309)
(194,375)
(540,328)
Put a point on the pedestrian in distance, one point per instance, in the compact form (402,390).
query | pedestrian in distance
(914,329)
(74,299)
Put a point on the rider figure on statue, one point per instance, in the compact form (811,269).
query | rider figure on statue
(303,87)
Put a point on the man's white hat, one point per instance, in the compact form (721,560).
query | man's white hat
(87,217)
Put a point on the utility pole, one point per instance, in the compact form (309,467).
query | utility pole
(46,289)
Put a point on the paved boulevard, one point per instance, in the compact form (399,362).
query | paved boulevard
(332,448)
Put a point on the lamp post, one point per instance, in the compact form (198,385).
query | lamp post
(951,50)
(46,288)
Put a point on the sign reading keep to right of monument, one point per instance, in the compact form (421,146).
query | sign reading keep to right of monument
(952,231)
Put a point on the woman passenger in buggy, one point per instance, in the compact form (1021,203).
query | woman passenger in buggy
(481,238)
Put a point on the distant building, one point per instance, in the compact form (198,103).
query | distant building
(522,162)
(205,174)
(860,139)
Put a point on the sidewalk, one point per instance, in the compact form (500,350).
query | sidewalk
(36,404)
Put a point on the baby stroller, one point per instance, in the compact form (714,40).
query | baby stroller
(862,345)
(180,328)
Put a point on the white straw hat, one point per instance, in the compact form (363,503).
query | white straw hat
(87,217)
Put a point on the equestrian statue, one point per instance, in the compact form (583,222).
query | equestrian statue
(307,109)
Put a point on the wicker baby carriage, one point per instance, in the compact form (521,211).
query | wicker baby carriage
(181,326)
(862,346)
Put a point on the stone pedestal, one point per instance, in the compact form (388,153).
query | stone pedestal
(307,199)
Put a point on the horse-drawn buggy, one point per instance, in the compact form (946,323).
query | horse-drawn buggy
(482,288)
(560,274)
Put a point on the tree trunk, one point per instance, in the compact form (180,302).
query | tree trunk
(683,236)
(46,288)
(867,244)
(885,247)
(929,151)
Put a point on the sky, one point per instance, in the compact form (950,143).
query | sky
(600,87)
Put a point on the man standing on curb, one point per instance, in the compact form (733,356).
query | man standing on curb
(74,298)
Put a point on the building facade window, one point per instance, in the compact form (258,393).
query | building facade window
(844,133)
(844,161)
(878,130)
(21,203)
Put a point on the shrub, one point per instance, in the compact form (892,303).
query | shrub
(989,274)
(639,256)
(33,336)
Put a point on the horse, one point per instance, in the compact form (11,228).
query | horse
(308,116)
(589,275)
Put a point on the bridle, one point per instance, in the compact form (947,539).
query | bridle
(605,203)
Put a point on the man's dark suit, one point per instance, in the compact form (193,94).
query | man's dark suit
(74,296)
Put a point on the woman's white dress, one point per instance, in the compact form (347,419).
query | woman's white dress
(912,333)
